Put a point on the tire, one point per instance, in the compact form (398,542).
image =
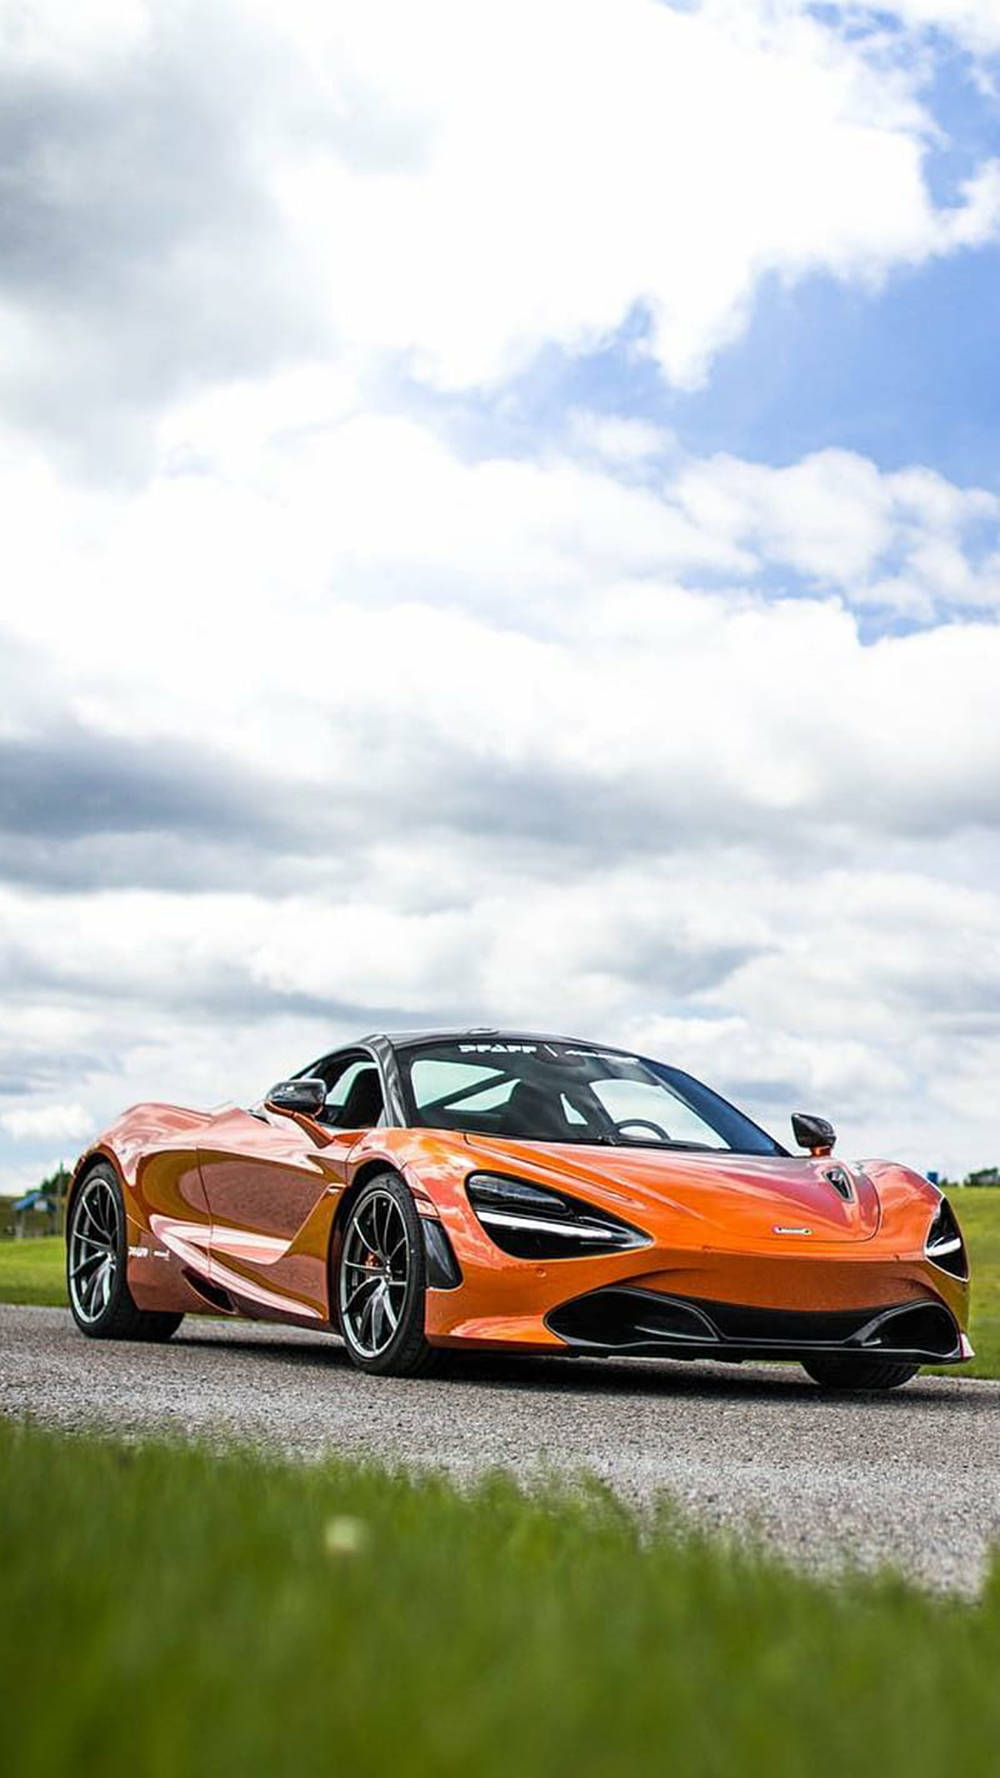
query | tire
(379,1282)
(96,1259)
(858,1372)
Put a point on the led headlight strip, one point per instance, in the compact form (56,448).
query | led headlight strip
(532,1222)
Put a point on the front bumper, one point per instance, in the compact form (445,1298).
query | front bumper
(645,1323)
(776,1305)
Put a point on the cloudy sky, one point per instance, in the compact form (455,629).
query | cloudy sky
(501,523)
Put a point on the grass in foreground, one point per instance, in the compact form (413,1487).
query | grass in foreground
(168,1611)
(32,1272)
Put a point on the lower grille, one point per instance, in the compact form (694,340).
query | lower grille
(645,1323)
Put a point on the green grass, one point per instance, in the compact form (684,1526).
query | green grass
(165,1611)
(32,1272)
(978,1211)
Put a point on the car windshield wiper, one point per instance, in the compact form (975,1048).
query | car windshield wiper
(642,1142)
(599,1140)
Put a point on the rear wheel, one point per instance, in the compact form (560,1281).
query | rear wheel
(858,1372)
(381,1280)
(96,1240)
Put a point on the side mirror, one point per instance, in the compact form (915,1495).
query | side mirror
(813,1133)
(306,1096)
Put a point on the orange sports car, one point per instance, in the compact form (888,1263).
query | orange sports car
(517,1193)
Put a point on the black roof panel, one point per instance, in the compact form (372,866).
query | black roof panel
(408,1039)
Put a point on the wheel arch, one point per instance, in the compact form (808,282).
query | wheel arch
(368,1170)
(85,1166)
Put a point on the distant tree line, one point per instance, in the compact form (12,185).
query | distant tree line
(57,1183)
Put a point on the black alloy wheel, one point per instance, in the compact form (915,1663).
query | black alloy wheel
(96,1255)
(381,1281)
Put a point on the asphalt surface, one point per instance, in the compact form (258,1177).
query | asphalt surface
(912,1477)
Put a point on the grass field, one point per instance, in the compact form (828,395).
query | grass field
(167,1611)
(32,1272)
(978,1211)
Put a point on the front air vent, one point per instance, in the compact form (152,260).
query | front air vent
(945,1246)
(443,1269)
(840,1179)
(630,1320)
(924,1330)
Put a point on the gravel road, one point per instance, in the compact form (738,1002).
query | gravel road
(913,1477)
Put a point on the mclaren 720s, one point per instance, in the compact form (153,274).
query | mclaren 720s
(518,1193)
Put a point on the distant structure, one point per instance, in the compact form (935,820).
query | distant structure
(37,1213)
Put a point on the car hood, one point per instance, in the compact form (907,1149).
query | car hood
(742,1198)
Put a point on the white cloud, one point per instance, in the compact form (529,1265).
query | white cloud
(531,732)
(669,172)
(501,598)
(836,519)
(446,187)
(552,756)
(667,181)
(47,1123)
(617,440)
(975,23)
(532,610)
(867,994)
(48,33)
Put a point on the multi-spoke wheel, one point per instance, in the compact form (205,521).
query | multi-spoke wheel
(94,1240)
(99,1295)
(381,1279)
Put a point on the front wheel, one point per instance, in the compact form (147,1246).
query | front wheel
(96,1243)
(380,1282)
(858,1372)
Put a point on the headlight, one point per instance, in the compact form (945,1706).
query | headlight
(531,1222)
(944,1245)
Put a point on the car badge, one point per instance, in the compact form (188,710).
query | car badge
(781,1228)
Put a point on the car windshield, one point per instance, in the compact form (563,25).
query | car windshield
(543,1091)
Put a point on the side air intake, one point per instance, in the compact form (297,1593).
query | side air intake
(945,1247)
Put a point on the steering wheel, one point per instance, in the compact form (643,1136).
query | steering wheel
(642,1123)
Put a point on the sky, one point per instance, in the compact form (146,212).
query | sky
(501,525)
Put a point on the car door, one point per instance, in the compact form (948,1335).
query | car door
(271,1182)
